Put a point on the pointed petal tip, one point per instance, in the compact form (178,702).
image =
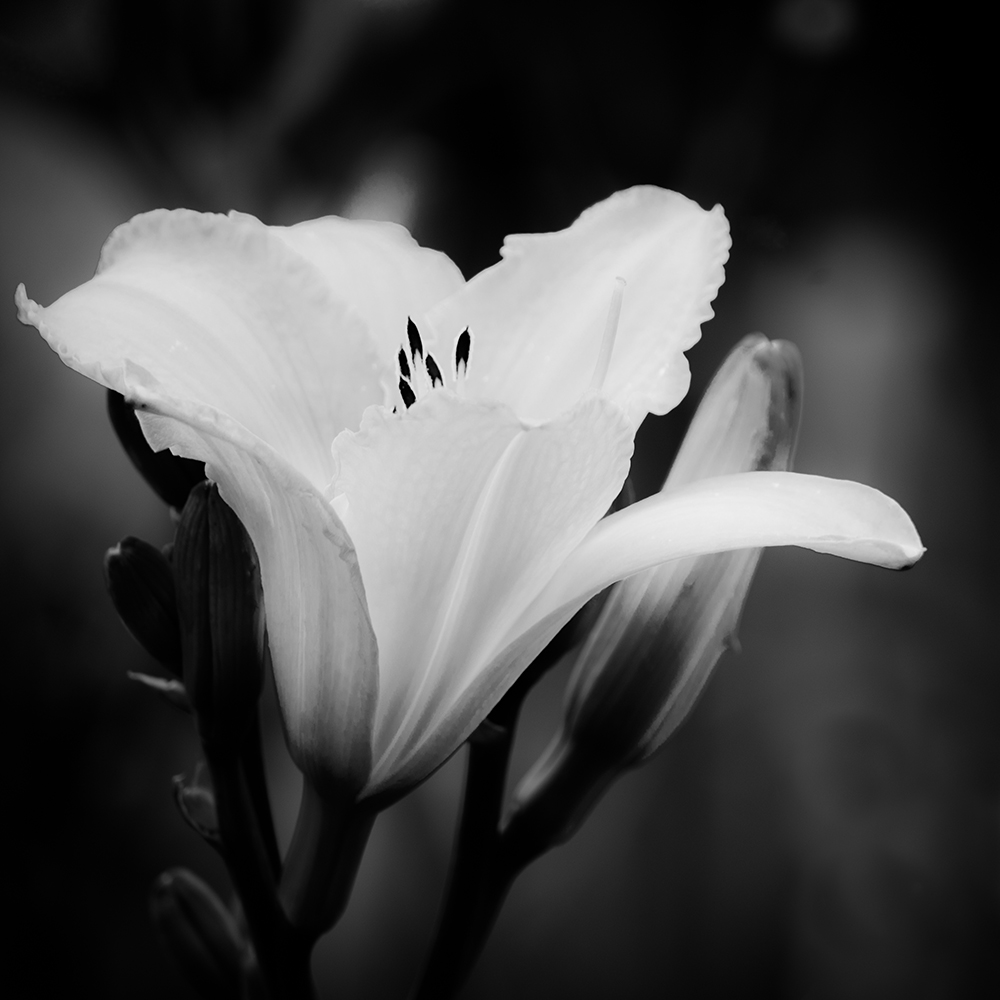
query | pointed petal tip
(912,559)
(910,553)
(897,544)
(877,530)
(894,555)
(29,312)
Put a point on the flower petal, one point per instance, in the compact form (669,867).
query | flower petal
(748,510)
(457,718)
(538,317)
(219,312)
(460,514)
(323,648)
(379,268)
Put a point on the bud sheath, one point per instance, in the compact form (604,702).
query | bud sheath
(218,603)
(199,933)
(141,584)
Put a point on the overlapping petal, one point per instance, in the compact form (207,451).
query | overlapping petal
(320,636)
(461,514)
(236,353)
(538,317)
(218,312)
(379,268)
(743,511)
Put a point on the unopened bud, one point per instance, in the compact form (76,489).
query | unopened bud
(661,632)
(199,933)
(218,603)
(141,584)
(170,476)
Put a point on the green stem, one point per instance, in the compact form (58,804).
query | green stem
(564,787)
(488,860)
(252,760)
(282,955)
(330,836)
(474,895)
(482,871)
(470,906)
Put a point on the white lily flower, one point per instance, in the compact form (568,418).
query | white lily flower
(412,571)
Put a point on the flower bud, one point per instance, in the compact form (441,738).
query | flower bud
(141,584)
(221,625)
(661,632)
(171,477)
(200,934)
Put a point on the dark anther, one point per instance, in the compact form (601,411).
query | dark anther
(434,371)
(413,335)
(407,393)
(462,349)
(404,365)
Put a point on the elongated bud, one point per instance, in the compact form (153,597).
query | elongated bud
(171,477)
(199,933)
(660,633)
(748,419)
(218,604)
(141,584)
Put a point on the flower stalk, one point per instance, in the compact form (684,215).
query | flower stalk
(476,884)
(330,837)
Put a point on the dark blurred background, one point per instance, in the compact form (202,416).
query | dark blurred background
(827,823)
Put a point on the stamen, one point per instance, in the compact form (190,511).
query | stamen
(434,372)
(419,373)
(407,393)
(413,335)
(610,332)
(463,351)
(463,347)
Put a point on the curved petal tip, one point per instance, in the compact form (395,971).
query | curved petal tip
(28,311)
